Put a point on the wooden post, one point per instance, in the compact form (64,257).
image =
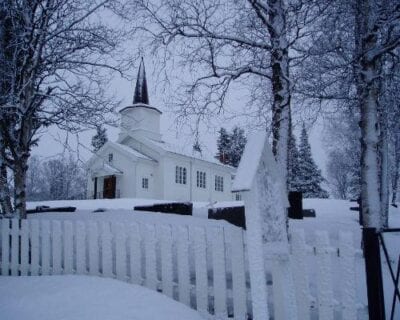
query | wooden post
(258,180)
(295,210)
(373,271)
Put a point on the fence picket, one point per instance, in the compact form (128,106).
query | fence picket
(24,247)
(300,273)
(14,247)
(80,248)
(150,256)
(135,254)
(45,246)
(324,276)
(5,246)
(348,267)
(68,247)
(56,247)
(219,271)
(285,306)
(183,265)
(166,260)
(106,250)
(93,249)
(35,247)
(200,255)
(120,251)
(238,274)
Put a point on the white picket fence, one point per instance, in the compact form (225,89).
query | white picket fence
(203,267)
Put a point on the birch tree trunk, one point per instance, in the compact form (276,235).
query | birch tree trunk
(370,168)
(384,167)
(5,199)
(368,93)
(20,171)
(395,178)
(280,83)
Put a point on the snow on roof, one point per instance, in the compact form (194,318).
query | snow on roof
(181,150)
(131,151)
(111,169)
(139,105)
(106,169)
(249,162)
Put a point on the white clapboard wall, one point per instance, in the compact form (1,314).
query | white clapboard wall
(204,267)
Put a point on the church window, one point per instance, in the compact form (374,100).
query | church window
(201,179)
(145,183)
(180,175)
(219,183)
(110,157)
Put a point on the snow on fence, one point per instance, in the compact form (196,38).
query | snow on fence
(204,267)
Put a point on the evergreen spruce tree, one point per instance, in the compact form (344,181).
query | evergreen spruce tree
(237,144)
(223,145)
(309,176)
(231,146)
(293,165)
(100,138)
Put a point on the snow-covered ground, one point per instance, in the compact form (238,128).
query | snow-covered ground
(334,216)
(84,297)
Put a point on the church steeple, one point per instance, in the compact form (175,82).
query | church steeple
(140,118)
(141,95)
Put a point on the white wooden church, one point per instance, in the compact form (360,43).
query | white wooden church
(141,165)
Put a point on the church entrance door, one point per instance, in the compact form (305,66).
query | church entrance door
(109,187)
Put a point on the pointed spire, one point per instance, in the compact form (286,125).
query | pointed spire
(141,94)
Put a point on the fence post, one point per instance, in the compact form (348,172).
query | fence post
(373,270)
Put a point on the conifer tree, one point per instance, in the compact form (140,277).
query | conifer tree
(100,138)
(237,144)
(309,176)
(223,145)
(231,146)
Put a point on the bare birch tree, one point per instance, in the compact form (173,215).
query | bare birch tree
(53,56)
(377,33)
(223,42)
(347,67)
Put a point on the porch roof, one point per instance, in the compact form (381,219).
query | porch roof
(106,170)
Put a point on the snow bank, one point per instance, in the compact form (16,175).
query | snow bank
(124,203)
(130,216)
(82,297)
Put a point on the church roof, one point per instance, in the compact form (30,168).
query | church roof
(131,151)
(141,94)
(183,151)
